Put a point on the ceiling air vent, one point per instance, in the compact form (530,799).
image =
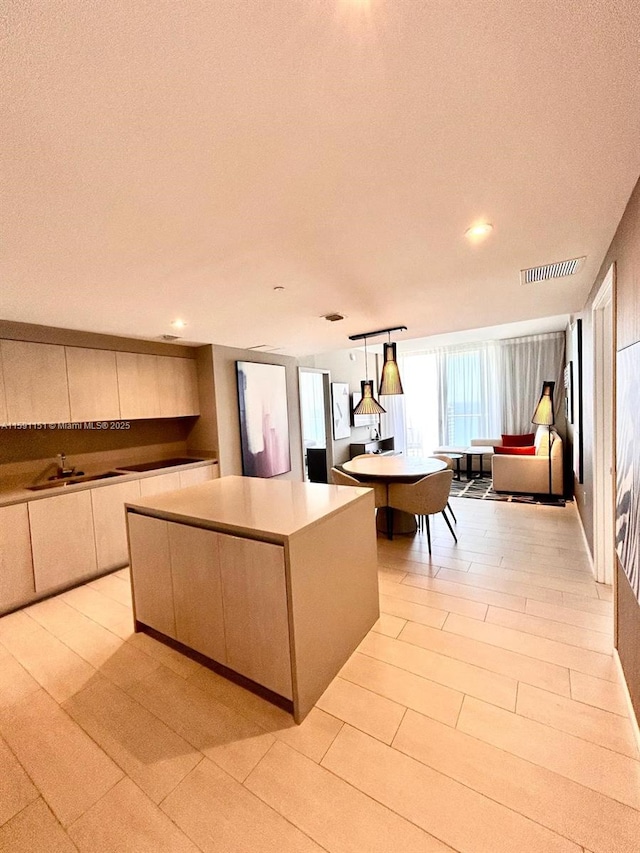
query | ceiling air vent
(557,270)
(169,337)
(332,318)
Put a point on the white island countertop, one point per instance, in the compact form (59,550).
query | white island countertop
(270,510)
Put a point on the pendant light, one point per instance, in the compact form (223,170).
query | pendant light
(368,405)
(390,380)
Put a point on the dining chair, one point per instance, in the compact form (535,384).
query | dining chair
(424,498)
(448,461)
(340,478)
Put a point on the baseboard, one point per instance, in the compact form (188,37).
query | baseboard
(586,541)
(632,713)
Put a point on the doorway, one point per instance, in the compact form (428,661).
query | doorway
(315,417)
(603,430)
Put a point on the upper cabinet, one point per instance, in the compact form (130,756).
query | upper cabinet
(35,378)
(93,384)
(178,383)
(138,385)
(50,383)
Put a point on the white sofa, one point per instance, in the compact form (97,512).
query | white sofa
(530,474)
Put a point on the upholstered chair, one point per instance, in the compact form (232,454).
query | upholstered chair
(424,498)
(340,478)
(448,461)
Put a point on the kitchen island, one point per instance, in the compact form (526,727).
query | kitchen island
(270,582)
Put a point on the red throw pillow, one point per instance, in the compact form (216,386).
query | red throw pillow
(516,451)
(518,440)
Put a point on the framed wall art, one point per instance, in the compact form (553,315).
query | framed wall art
(264,419)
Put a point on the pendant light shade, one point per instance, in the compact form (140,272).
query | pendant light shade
(544,410)
(390,380)
(368,405)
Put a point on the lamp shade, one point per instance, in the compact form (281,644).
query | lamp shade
(390,380)
(544,410)
(368,405)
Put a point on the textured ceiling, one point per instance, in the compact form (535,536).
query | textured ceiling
(169,159)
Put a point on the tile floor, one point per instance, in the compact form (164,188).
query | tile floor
(483,713)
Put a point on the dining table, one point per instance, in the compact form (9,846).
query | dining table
(393,469)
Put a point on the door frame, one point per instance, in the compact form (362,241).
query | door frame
(604,474)
(328,423)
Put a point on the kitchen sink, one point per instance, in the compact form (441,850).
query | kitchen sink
(73,481)
(162,463)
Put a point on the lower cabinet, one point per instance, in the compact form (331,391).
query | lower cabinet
(160,483)
(193,476)
(222,595)
(62,540)
(109,523)
(16,567)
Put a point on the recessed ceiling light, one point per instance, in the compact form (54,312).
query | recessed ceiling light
(478,231)
(178,324)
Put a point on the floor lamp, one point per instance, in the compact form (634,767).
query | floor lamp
(544,416)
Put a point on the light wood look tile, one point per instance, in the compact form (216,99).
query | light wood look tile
(437,600)
(103,610)
(389,574)
(68,768)
(35,829)
(434,801)
(459,675)
(584,721)
(601,693)
(113,587)
(52,664)
(15,625)
(412,691)
(423,562)
(570,616)
(540,627)
(149,752)
(590,605)
(312,737)
(15,681)
(605,592)
(498,584)
(408,610)
(590,765)
(503,661)
(586,588)
(546,797)
(389,625)
(551,651)
(57,616)
(365,710)
(125,819)
(222,816)
(459,590)
(16,789)
(335,814)
(233,742)
(175,661)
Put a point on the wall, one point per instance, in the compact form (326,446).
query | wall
(625,253)
(344,369)
(227,416)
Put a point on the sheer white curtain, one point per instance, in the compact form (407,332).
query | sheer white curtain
(525,363)
(455,394)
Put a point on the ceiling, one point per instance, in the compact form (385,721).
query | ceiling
(169,160)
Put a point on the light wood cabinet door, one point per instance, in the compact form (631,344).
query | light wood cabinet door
(3,396)
(197,590)
(35,379)
(109,523)
(138,385)
(178,383)
(62,540)
(193,476)
(160,483)
(93,384)
(255,612)
(16,567)
(152,587)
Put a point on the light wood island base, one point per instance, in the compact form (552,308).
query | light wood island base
(271,582)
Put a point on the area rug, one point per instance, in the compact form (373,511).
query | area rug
(482,489)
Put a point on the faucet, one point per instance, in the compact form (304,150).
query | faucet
(63,471)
